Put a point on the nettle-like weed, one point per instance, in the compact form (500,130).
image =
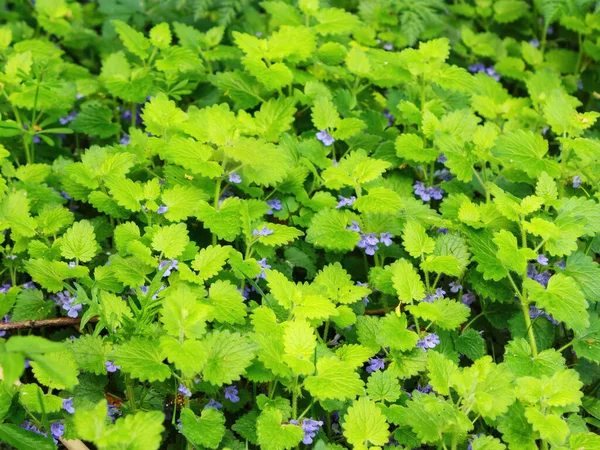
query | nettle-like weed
(276,225)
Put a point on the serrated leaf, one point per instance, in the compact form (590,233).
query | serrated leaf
(334,380)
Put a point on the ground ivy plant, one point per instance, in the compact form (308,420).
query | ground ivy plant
(300,224)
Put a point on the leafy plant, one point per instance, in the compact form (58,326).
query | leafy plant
(276,225)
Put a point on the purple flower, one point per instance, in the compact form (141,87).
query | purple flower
(442,158)
(561,265)
(343,201)
(389,117)
(29,285)
(66,119)
(325,138)
(213,404)
(111,366)
(437,193)
(184,391)
(492,73)
(365,299)
(66,196)
(235,178)
(36,139)
(425,389)
(11,257)
(112,412)
(535,312)
(580,84)
(576,181)
(310,428)
(455,287)
(67,405)
(5,288)
(264,266)
(162,209)
(64,300)
(550,30)
(57,429)
(146,289)
(173,265)
(422,191)
(262,232)
(385,239)
(477,67)
(79,96)
(468,298)
(375,364)
(388,46)
(542,259)
(72,264)
(231,394)
(442,230)
(245,292)
(443,175)
(429,341)
(125,140)
(430,298)
(6,319)
(354,227)
(274,205)
(369,243)
(27,425)
(534,43)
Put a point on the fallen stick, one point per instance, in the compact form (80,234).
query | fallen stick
(56,322)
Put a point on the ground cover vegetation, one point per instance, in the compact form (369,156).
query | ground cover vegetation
(300,224)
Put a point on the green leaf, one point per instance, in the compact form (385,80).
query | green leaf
(518,358)
(206,430)
(441,370)
(161,116)
(51,274)
(22,439)
(89,352)
(382,386)
(509,254)
(471,344)
(587,342)
(56,370)
(30,395)
(487,385)
(160,35)
(334,380)
(550,426)
(337,285)
(139,431)
(484,253)
(282,235)
(416,242)
(95,119)
(335,21)
(324,114)
(135,41)
(379,200)
(586,272)
(299,343)
(171,240)
(183,315)
(227,302)
(141,358)
(273,434)
(393,333)
(487,443)
(182,202)
(447,314)
(229,354)
(211,260)
(79,242)
(126,192)
(515,430)
(562,298)
(327,229)
(365,424)
(524,150)
(407,281)
(193,156)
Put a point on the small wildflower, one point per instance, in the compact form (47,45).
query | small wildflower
(388,46)
(455,287)
(66,119)
(369,243)
(67,405)
(173,265)
(477,67)
(231,394)
(354,227)
(425,389)
(365,299)
(125,140)
(550,30)
(535,312)
(235,178)
(442,159)
(5,288)
(580,84)
(343,201)
(274,205)
(310,428)
(112,412)
(162,209)
(213,404)
(264,266)
(72,264)
(430,298)
(6,319)
(443,175)
(492,73)
(57,429)
(29,285)
(36,139)
(442,230)
(65,195)
(468,298)
(430,341)
(184,391)
(325,138)
(264,231)
(375,364)
(542,259)
(111,366)
(534,43)
(576,181)
(79,96)
(385,239)
(11,257)
(389,117)
(561,265)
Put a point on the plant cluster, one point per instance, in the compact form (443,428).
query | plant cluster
(300,224)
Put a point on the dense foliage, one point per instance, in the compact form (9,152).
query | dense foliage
(279,224)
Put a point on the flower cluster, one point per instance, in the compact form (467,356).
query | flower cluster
(325,138)
(433,296)
(480,67)
(274,205)
(310,428)
(429,341)
(427,192)
(535,312)
(65,300)
(172,264)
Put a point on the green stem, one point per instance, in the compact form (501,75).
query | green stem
(130,394)
(295,400)
(472,320)
(325,332)
(216,205)
(566,346)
